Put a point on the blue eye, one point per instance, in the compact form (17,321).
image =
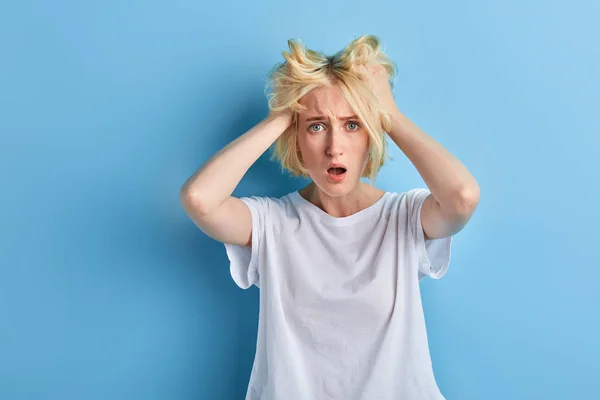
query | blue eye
(311,126)
(349,123)
(354,123)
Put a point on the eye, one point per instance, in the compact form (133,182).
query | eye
(354,123)
(311,126)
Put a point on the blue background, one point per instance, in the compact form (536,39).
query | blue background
(109,291)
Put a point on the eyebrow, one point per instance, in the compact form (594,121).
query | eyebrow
(322,117)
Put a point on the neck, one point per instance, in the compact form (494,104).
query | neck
(360,197)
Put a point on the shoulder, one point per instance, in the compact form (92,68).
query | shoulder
(416,194)
(409,199)
(269,204)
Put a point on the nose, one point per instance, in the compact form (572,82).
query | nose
(334,147)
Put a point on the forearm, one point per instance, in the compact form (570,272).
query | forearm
(449,181)
(217,178)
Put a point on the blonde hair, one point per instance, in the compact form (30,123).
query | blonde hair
(305,70)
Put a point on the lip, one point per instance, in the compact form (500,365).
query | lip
(336,178)
(336,165)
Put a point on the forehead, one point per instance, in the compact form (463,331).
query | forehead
(327,100)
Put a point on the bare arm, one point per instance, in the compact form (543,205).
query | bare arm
(206,195)
(454,191)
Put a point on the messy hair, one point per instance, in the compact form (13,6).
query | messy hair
(305,70)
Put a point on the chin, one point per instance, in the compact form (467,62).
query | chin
(345,185)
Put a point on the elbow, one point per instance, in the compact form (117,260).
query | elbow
(185,194)
(190,201)
(467,200)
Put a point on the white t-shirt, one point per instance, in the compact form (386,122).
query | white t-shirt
(340,312)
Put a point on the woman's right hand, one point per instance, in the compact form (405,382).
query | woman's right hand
(286,115)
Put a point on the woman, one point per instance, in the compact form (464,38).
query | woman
(339,261)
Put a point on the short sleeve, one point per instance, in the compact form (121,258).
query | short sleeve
(244,261)
(433,254)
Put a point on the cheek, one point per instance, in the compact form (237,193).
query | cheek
(359,144)
(302,147)
(363,151)
(310,151)
(307,144)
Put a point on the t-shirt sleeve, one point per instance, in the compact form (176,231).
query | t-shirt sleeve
(433,254)
(244,261)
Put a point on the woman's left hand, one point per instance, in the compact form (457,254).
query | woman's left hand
(375,77)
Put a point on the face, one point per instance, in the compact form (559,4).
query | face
(329,132)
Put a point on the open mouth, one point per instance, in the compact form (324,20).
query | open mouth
(336,171)
(336,174)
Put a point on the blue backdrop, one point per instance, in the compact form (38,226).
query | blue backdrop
(109,291)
